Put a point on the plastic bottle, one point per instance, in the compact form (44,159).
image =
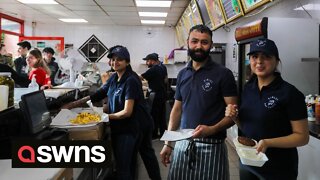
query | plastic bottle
(310,102)
(317,111)
(34,85)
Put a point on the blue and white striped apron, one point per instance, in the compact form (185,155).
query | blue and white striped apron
(204,158)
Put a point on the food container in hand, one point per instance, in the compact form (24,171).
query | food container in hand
(249,156)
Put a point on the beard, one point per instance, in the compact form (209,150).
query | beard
(150,65)
(198,55)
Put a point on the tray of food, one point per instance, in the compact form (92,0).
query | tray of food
(78,117)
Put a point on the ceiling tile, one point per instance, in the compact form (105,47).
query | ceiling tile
(116,2)
(96,13)
(82,7)
(119,8)
(77,2)
(181,4)
(122,13)
(125,18)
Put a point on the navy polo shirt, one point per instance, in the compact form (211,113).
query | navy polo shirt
(267,114)
(129,87)
(202,94)
(155,77)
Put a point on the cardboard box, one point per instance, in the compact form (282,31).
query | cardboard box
(87,133)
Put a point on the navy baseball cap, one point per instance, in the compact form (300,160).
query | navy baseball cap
(264,45)
(153,56)
(121,52)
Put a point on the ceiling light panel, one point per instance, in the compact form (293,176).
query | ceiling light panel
(153,14)
(38,1)
(153,3)
(73,20)
(152,22)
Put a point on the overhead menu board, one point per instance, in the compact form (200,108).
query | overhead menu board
(215,13)
(204,13)
(249,5)
(183,31)
(231,9)
(195,12)
(187,18)
(180,36)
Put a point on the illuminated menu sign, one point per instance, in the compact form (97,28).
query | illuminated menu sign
(231,9)
(215,13)
(251,30)
(249,5)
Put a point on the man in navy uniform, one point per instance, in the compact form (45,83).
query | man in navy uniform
(204,88)
(156,76)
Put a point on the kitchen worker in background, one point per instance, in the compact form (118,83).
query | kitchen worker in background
(274,113)
(20,63)
(156,76)
(203,90)
(38,68)
(128,115)
(48,53)
(5,58)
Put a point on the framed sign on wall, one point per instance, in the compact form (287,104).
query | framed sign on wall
(231,9)
(195,12)
(249,5)
(215,13)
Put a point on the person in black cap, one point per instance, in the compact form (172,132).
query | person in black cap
(128,115)
(273,112)
(20,63)
(48,53)
(156,76)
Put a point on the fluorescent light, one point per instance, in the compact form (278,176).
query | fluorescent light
(152,22)
(74,20)
(153,14)
(153,3)
(309,7)
(38,1)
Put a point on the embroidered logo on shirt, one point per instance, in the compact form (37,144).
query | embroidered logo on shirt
(207,85)
(271,102)
(118,92)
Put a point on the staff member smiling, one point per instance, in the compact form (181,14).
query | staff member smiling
(126,109)
(273,112)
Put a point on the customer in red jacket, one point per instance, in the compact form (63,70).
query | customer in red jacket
(39,69)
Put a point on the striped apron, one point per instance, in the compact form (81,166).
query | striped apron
(200,158)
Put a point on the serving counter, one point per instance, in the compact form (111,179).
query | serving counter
(11,127)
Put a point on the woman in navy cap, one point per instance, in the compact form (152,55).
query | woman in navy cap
(273,112)
(127,112)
